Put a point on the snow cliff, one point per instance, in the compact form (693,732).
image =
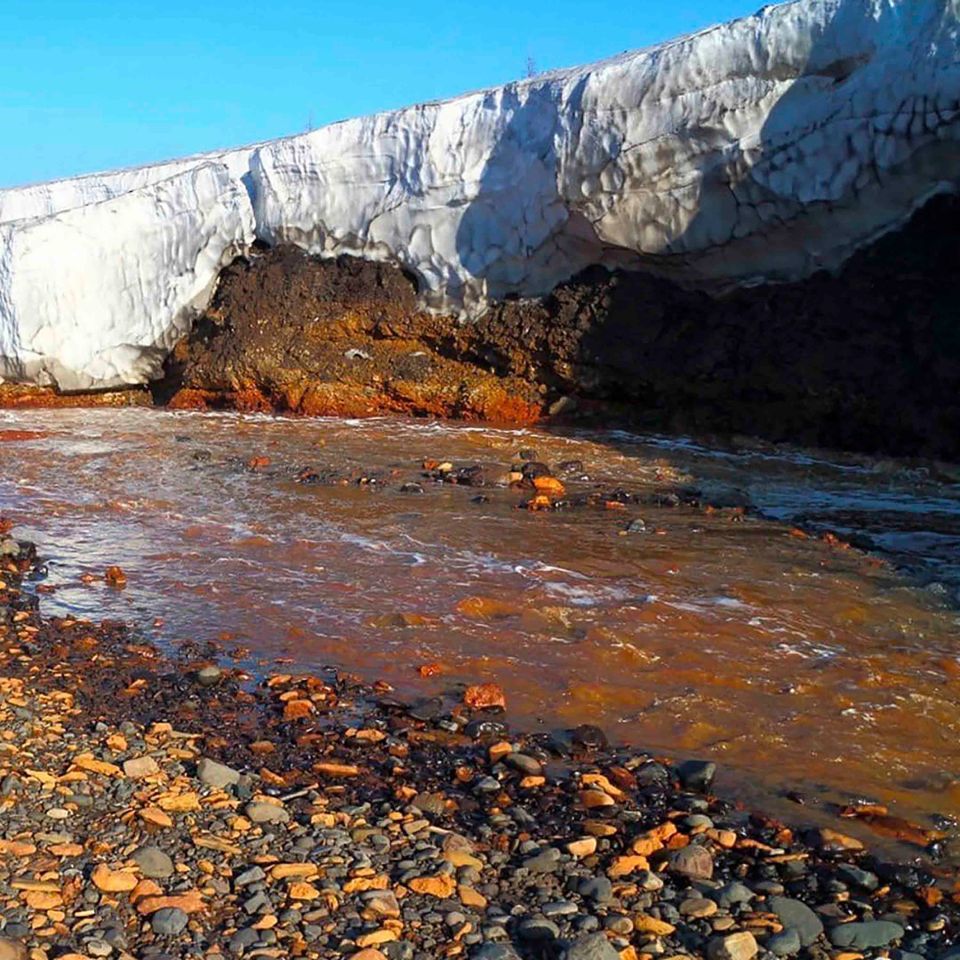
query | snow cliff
(757,151)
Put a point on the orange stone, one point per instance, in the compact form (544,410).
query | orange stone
(298,709)
(113,881)
(155,816)
(303,891)
(191,902)
(441,886)
(484,696)
(550,485)
(626,864)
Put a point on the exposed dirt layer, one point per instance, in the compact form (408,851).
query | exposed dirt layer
(290,332)
(868,360)
(18,396)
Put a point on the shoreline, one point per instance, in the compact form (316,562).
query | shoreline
(343,821)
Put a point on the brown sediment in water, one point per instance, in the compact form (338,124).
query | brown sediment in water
(105,739)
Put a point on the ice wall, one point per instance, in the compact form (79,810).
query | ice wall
(757,151)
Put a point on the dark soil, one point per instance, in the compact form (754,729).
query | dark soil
(865,360)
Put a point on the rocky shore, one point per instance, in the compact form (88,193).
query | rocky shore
(157,807)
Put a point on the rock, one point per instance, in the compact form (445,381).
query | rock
(697,775)
(154,863)
(168,922)
(526,765)
(858,877)
(546,861)
(485,727)
(13,950)
(785,944)
(593,947)
(734,946)
(485,696)
(866,934)
(494,951)
(694,862)
(597,889)
(795,915)
(112,881)
(537,929)
(263,812)
(209,676)
(584,847)
(216,775)
(589,736)
(731,894)
(140,767)
(698,908)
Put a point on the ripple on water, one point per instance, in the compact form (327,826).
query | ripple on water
(707,633)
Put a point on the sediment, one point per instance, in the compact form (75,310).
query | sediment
(865,360)
(164,804)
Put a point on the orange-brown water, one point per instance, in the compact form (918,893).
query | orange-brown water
(795,663)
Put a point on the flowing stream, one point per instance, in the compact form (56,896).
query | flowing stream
(797,663)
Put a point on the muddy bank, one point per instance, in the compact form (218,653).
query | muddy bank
(867,360)
(158,807)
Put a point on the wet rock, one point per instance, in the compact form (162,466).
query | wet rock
(796,915)
(485,727)
(215,774)
(529,766)
(428,709)
(697,775)
(858,877)
(866,934)
(589,737)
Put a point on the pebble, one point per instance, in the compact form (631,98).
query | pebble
(154,862)
(866,934)
(697,775)
(215,774)
(694,861)
(796,915)
(13,950)
(698,908)
(733,946)
(785,944)
(594,947)
(140,767)
(169,921)
(262,812)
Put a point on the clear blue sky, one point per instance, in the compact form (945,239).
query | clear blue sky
(94,84)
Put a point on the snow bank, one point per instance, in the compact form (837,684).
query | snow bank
(96,296)
(757,151)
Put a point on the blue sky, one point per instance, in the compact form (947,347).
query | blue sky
(94,84)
